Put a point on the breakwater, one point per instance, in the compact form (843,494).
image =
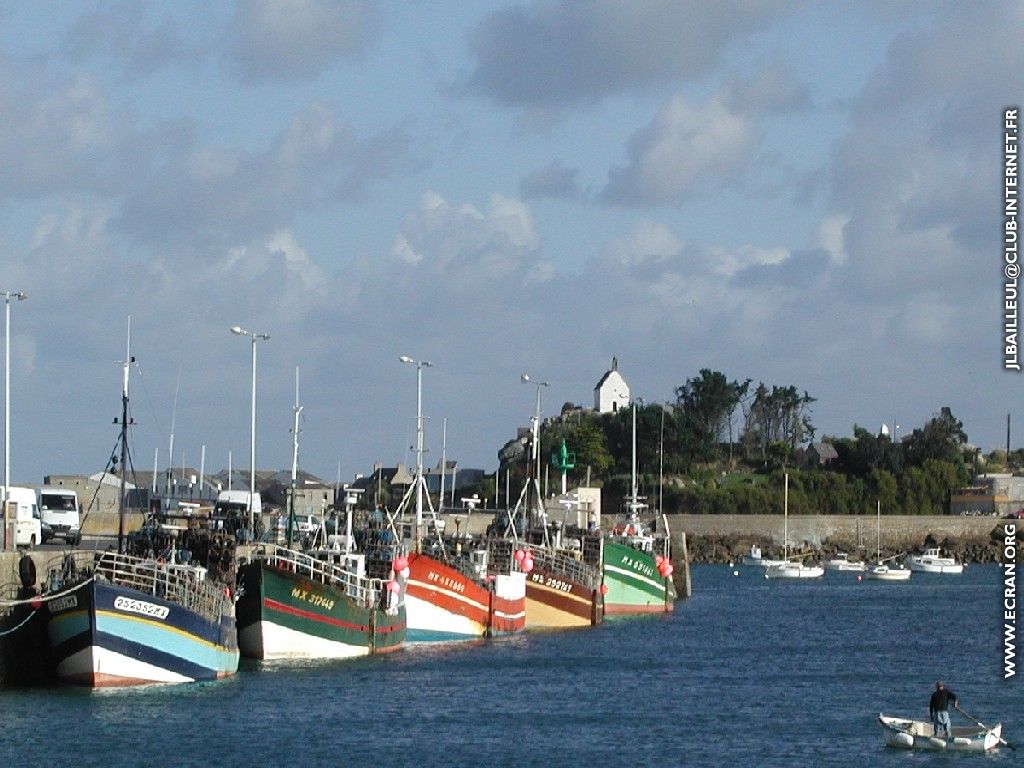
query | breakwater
(726,538)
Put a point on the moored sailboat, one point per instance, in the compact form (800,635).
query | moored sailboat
(887,569)
(791,569)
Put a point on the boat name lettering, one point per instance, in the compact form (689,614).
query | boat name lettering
(313,599)
(142,607)
(637,565)
(63,603)
(547,581)
(446,581)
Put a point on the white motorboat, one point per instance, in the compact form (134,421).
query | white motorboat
(905,733)
(842,562)
(932,561)
(881,570)
(791,569)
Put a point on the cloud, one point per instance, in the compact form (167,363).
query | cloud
(123,35)
(917,173)
(283,40)
(206,194)
(557,53)
(771,89)
(62,132)
(685,148)
(551,181)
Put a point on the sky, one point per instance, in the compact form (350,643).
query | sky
(800,193)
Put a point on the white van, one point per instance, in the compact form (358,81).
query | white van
(58,509)
(21,504)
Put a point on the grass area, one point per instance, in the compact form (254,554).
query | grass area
(742,478)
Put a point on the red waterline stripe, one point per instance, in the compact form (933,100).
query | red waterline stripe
(274,605)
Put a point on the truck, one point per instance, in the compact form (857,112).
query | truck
(231,515)
(60,512)
(22,514)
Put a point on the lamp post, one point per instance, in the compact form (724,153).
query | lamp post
(525,378)
(420,365)
(240,331)
(19,296)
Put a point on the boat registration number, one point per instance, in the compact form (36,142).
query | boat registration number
(313,599)
(547,581)
(142,607)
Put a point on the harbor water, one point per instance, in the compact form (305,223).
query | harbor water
(748,672)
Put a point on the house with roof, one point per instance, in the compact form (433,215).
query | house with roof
(612,392)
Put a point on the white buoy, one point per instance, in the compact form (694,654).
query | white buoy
(730,563)
(735,573)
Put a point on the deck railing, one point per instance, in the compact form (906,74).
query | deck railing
(179,584)
(560,563)
(363,590)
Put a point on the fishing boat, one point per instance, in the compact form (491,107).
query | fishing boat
(320,604)
(457,588)
(562,564)
(338,599)
(932,561)
(904,733)
(469,590)
(884,569)
(158,610)
(842,562)
(636,563)
(791,569)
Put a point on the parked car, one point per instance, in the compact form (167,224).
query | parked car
(1018,515)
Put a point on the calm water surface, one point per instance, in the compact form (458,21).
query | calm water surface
(746,673)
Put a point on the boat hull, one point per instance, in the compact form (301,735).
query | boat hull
(104,634)
(887,574)
(928,567)
(556,601)
(283,615)
(794,571)
(916,734)
(633,583)
(444,604)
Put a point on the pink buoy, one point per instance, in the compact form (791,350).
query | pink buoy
(520,555)
(527,564)
(393,586)
(404,573)
(669,569)
(658,560)
(604,589)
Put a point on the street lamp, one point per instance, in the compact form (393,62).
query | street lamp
(240,331)
(420,365)
(525,378)
(19,296)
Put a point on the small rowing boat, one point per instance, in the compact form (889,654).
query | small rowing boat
(904,733)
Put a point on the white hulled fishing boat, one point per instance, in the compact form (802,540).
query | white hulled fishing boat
(932,561)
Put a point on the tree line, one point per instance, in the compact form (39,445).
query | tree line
(724,445)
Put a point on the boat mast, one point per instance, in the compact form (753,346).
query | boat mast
(785,518)
(633,499)
(878,528)
(296,410)
(124,439)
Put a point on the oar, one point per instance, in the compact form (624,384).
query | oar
(980,724)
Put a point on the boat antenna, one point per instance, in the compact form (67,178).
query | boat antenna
(296,410)
(124,422)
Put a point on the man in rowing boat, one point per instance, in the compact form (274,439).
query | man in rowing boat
(938,709)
